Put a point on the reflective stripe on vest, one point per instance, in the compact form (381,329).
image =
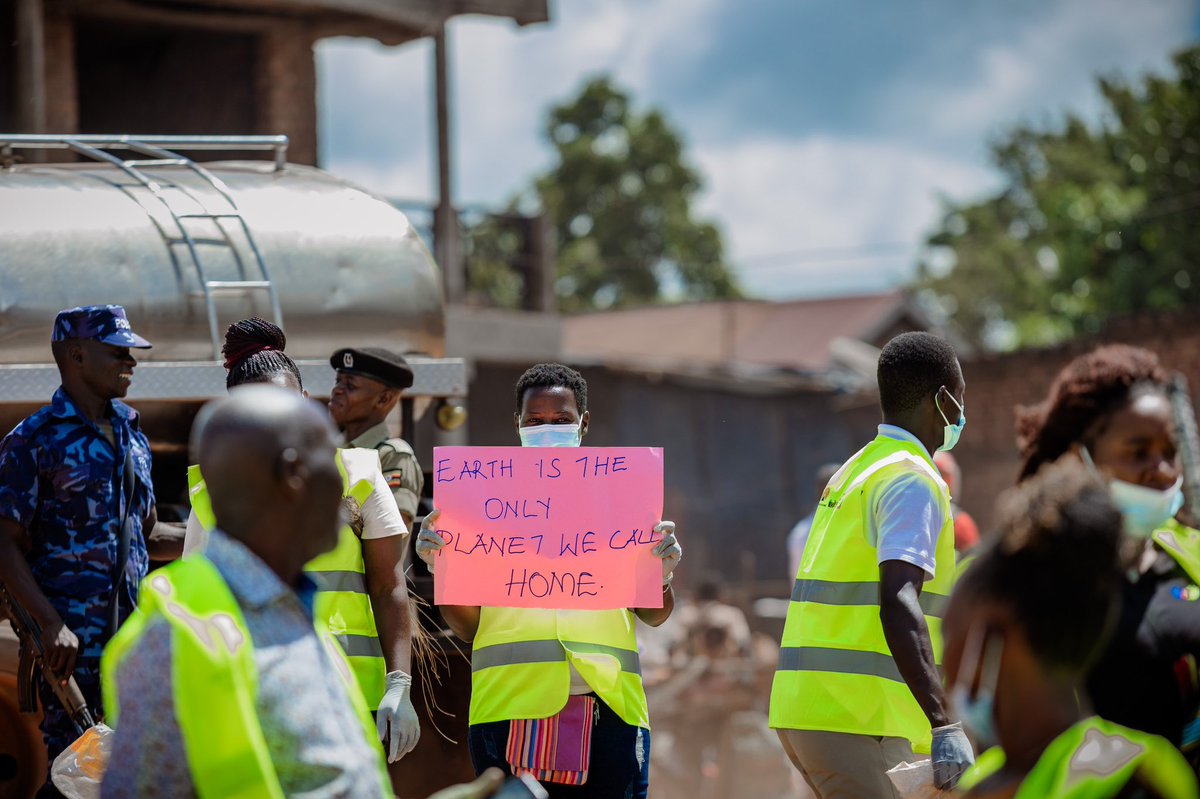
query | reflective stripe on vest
(522,658)
(827,592)
(1095,759)
(549,652)
(214,681)
(360,646)
(355,582)
(836,672)
(842,661)
(342,600)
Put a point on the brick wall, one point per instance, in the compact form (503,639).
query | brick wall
(997,384)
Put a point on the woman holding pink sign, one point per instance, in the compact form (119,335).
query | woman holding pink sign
(558,693)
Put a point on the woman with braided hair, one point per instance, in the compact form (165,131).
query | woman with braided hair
(1109,410)
(254,353)
(362,590)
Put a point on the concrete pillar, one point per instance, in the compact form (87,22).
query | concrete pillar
(31,66)
(286,89)
(542,270)
(62,89)
(447,249)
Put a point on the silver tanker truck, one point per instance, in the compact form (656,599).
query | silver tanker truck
(188,248)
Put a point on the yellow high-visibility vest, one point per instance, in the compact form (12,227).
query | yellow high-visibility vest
(521,663)
(1183,544)
(836,672)
(214,681)
(342,601)
(1095,759)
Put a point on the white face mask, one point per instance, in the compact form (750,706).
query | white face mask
(1143,510)
(551,435)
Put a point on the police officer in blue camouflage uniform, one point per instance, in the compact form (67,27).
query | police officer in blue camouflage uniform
(62,502)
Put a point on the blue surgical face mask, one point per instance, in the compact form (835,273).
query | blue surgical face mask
(551,435)
(977,710)
(1143,510)
(952,431)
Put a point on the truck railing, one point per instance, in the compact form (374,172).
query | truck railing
(202,380)
(66,141)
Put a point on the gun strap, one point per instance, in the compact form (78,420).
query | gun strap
(123,537)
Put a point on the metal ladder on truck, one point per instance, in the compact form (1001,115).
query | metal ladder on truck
(157,156)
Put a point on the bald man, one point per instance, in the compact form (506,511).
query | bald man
(224,682)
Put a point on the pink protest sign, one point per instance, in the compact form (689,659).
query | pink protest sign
(557,528)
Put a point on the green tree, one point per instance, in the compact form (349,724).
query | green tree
(621,195)
(1092,222)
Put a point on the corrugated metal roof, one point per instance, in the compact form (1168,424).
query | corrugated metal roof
(786,335)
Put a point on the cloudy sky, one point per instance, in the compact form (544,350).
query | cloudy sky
(827,131)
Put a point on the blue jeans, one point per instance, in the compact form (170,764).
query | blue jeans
(619,768)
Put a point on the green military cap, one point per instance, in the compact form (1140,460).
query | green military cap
(376,363)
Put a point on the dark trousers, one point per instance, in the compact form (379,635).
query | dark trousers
(619,768)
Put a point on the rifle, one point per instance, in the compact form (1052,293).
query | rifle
(1188,442)
(33,657)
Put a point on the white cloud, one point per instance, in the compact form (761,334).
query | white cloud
(778,196)
(375,107)
(1052,64)
(771,192)
(503,79)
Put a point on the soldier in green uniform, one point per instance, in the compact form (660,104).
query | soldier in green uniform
(369,383)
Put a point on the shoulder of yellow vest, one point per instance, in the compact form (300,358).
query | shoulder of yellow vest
(1182,543)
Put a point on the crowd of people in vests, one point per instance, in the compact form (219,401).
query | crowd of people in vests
(1054,655)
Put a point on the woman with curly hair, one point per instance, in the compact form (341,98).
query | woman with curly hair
(1109,409)
(1023,624)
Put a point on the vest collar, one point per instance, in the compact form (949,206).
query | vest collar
(901,434)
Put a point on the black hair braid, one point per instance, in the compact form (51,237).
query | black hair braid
(254,353)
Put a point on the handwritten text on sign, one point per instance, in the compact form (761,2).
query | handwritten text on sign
(561,527)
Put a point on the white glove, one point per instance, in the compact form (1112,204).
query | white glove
(429,543)
(396,720)
(668,549)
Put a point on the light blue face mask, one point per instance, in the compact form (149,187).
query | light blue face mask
(978,711)
(952,431)
(1143,510)
(551,435)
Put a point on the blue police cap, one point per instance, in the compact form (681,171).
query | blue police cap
(104,323)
